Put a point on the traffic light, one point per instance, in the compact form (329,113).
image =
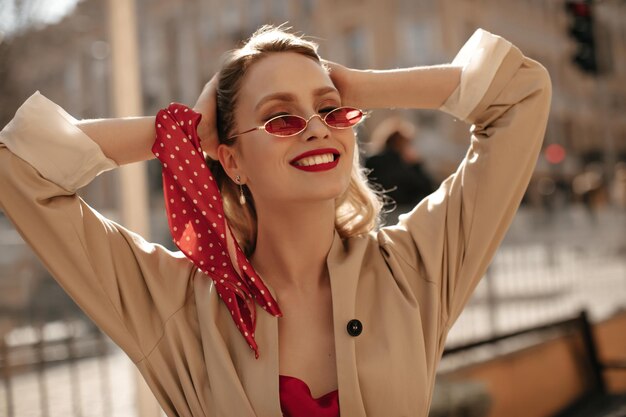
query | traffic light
(582,32)
(554,153)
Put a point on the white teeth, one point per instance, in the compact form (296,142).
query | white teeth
(315,160)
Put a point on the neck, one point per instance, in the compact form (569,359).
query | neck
(293,241)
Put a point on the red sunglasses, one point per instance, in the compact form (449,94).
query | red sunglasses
(290,125)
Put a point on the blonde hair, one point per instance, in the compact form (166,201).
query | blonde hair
(357,209)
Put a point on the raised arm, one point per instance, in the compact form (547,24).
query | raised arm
(128,286)
(130,139)
(123,140)
(447,241)
(417,88)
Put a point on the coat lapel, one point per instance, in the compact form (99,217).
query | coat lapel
(344,264)
(260,376)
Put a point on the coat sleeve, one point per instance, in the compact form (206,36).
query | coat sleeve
(127,286)
(449,239)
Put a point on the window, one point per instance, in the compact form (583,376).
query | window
(256,10)
(229,21)
(308,6)
(416,43)
(357,47)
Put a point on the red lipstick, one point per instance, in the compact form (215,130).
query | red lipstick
(317,167)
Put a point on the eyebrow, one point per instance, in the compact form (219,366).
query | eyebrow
(290,98)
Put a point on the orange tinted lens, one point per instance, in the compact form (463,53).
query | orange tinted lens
(343,117)
(287,125)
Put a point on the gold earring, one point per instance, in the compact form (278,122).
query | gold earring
(242,198)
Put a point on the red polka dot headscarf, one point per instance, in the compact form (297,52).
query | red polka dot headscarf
(197,223)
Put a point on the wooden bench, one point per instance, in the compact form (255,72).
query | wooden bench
(550,370)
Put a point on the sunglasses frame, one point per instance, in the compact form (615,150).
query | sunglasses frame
(306,123)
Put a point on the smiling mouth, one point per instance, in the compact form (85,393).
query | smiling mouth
(316,160)
(322,162)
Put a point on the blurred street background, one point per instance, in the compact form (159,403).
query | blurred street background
(565,251)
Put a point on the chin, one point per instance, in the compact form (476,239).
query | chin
(328,193)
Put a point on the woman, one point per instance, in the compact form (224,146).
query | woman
(359,316)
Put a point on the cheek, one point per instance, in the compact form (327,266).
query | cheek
(352,151)
(263,162)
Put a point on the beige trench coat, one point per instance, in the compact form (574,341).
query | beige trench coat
(407,284)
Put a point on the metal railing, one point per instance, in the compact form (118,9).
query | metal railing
(70,371)
(547,269)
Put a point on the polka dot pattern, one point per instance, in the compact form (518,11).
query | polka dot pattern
(198,227)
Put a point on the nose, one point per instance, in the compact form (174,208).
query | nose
(316,128)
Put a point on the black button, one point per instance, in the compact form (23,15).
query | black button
(354,327)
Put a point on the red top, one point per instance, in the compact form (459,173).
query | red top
(296,400)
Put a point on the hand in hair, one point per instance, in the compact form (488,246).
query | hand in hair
(207,129)
(343,79)
(425,87)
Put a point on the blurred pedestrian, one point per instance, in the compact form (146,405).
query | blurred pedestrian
(397,167)
(591,188)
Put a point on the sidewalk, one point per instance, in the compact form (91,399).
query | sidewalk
(94,387)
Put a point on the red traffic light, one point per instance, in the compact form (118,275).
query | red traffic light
(579,9)
(581,31)
(554,153)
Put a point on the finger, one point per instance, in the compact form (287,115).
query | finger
(209,146)
(208,95)
(332,67)
(207,106)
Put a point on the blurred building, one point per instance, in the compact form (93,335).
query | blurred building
(69,63)
(586,115)
(182,42)
(185,40)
